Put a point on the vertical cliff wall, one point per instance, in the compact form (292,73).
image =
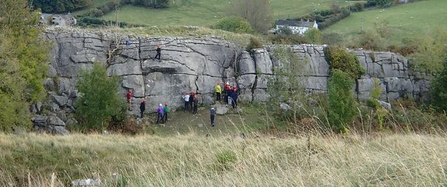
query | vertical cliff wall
(199,63)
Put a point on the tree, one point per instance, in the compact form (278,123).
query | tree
(438,91)
(23,57)
(257,12)
(285,87)
(431,53)
(99,100)
(234,24)
(313,35)
(342,103)
(60,6)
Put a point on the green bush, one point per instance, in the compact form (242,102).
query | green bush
(370,40)
(313,36)
(225,159)
(23,57)
(288,39)
(438,91)
(254,44)
(342,104)
(60,6)
(234,24)
(332,38)
(339,58)
(99,101)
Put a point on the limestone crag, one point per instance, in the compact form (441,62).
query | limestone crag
(198,64)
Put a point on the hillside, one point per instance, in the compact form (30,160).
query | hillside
(403,22)
(208,12)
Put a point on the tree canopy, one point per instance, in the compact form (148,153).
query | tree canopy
(256,12)
(100,100)
(23,57)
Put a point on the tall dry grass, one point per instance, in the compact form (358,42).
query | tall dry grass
(229,160)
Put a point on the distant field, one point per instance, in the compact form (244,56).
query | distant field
(95,3)
(208,12)
(405,21)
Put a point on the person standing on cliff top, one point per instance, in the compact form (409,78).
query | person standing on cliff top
(158,56)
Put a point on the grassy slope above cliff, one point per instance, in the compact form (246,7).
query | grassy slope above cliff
(208,12)
(405,22)
(191,160)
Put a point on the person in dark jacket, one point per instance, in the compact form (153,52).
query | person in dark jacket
(234,97)
(160,113)
(142,107)
(191,101)
(165,112)
(196,103)
(158,53)
(226,87)
(212,115)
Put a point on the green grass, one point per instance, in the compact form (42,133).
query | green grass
(208,12)
(95,3)
(406,21)
(191,160)
(181,122)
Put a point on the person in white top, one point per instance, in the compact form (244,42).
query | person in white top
(186,98)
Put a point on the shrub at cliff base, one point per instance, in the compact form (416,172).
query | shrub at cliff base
(99,101)
(438,91)
(342,104)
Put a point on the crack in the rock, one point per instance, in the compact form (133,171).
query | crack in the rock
(255,83)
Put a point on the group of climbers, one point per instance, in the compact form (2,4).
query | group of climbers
(190,102)
(162,111)
(231,94)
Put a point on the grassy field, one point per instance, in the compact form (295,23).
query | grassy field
(208,12)
(226,160)
(405,22)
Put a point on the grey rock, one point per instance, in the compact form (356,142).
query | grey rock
(385,104)
(54,107)
(60,130)
(221,109)
(49,84)
(51,71)
(61,115)
(285,106)
(39,120)
(60,100)
(246,65)
(198,63)
(55,121)
(70,122)
(38,106)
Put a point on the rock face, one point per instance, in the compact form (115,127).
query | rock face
(198,63)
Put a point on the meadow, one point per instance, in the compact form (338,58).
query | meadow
(207,12)
(225,160)
(404,23)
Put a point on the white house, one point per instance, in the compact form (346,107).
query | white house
(58,19)
(299,27)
